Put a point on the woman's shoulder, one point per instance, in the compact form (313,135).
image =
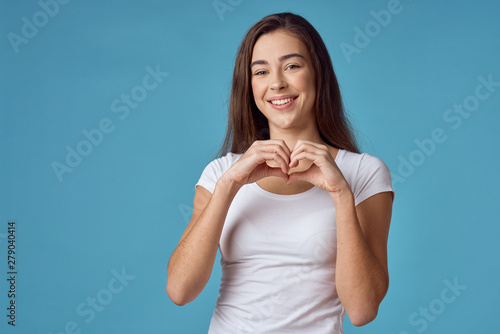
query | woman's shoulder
(352,159)
(365,173)
(223,163)
(358,166)
(215,169)
(227,160)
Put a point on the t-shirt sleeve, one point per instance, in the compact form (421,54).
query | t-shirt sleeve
(214,171)
(373,177)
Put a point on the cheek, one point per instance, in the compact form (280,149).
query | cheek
(258,92)
(256,87)
(306,82)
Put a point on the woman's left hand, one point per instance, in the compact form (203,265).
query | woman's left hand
(323,173)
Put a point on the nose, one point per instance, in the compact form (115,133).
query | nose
(278,82)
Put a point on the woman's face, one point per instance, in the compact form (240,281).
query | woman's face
(283,81)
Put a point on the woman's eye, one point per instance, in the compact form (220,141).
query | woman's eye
(260,73)
(291,67)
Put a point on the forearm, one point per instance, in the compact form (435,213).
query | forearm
(361,280)
(191,263)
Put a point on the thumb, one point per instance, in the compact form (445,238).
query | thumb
(277,172)
(298,176)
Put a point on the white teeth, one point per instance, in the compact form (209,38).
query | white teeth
(281,102)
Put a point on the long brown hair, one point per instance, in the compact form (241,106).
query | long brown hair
(246,123)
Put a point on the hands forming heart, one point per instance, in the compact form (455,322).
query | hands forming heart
(254,164)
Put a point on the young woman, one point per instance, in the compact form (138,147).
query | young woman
(300,217)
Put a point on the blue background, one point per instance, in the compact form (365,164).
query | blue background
(125,205)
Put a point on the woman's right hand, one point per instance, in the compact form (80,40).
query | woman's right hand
(252,166)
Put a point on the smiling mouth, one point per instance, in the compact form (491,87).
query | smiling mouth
(282,101)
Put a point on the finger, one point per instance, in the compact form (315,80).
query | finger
(302,176)
(321,164)
(306,152)
(318,160)
(310,155)
(307,145)
(276,172)
(276,157)
(278,145)
(262,151)
(279,150)
(281,143)
(299,147)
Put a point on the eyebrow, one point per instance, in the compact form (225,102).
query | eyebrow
(282,58)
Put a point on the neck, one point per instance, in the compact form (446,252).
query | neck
(292,136)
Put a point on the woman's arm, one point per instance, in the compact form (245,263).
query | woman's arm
(191,263)
(362,277)
(361,274)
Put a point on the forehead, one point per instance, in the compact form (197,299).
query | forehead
(277,43)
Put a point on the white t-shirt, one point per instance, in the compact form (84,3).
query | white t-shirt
(279,252)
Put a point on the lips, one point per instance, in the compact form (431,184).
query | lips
(281,100)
